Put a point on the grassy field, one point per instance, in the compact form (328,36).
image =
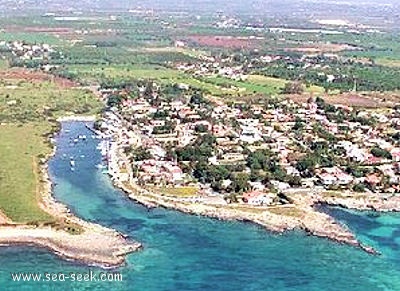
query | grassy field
(388,62)
(276,85)
(129,72)
(170,49)
(30,37)
(217,86)
(24,126)
(94,72)
(245,87)
(31,101)
(3,64)
(180,192)
(19,170)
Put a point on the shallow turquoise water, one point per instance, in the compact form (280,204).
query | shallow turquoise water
(183,252)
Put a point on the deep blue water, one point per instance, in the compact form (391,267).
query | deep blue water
(183,252)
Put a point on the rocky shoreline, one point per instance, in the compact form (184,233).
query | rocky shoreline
(93,245)
(301,214)
(309,220)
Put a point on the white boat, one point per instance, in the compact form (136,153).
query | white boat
(72,163)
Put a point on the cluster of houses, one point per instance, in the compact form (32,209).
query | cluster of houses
(213,66)
(161,129)
(238,66)
(25,51)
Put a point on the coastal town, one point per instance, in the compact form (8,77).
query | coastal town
(185,145)
(251,152)
(267,161)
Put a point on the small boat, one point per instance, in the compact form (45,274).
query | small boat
(76,140)
(100,166)
(72,163)
(72,169)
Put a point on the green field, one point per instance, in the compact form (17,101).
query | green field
(164,75)
(19,171)
(181,192)
(3,64)
(29,37)
(25,109)
(214,85)
(21,101)
(395,63)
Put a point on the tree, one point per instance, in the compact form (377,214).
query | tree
(240,182)
(299,124)
(381,153)
(200,128)
(138,154)
(259,159)
(293,88)
(306,164)
(148,91)
(359,187)
(114,100)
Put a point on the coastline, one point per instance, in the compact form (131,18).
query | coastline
(301,214)
(312,222)
(93,245)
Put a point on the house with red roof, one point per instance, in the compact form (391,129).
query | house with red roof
(373,179)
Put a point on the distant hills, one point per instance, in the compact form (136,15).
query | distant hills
(369,12)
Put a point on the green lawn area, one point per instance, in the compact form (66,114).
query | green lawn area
(395,63)
(3,64)
(267,81)
(258,84)
(123,71)
(180,192)
(19,182)
(278,84)
(194,53)
(24,108)
(243,87)
(30,37)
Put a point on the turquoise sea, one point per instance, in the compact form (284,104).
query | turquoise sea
(183,252)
